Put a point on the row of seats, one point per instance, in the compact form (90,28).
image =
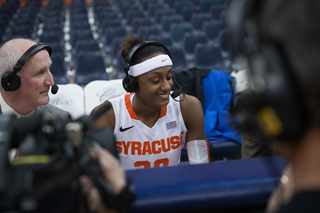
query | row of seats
(78,29)
(163,23)
(7,13)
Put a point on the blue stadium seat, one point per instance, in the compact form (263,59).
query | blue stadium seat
(57,48)
(224,43)
(187,12)
(22,31)
(57,27)
(59,69)
(90,66)
(100,17)
(57,4)
(198,19)
(178,58)
(109,23)
(212,29)
(102,7)
(78,17)
(162,13)
(153,7)
(53,12)
(179,5)
(116,46)
(50,20)
(99,4)
(147,31)
(127,7)
(170,3)
(139,22)
(85,46)
(51,37)
(25,22)
(110,34)
(168,20)
(28,13)
(119,71)
(14,5)
(33,3)
(131,14)
(163,39)
(208,56)
(206,4)
(216,11)
(178,30)
(78,6)
(9,8)
(78,35)
(2,32)
(4,22)
(147,3)
(190,40)
(80,25)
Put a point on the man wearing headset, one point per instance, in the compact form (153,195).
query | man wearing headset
(25,83)
(26,79)
(282,48)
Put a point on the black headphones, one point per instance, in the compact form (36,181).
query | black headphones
(130,83)
(274,95)
(10,81)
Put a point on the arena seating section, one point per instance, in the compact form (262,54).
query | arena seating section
(68,24)
(85,36)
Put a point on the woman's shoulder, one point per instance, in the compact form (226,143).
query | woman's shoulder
(190,102)
(105,115)
(102,106)
(190,108)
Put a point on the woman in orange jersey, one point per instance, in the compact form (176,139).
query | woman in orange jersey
(151,123)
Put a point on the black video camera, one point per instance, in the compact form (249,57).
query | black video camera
(45,177)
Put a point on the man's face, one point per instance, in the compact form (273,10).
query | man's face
(36,80)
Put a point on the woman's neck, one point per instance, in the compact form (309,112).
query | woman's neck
(146,113)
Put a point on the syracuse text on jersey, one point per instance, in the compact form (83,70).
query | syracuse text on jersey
(149,147)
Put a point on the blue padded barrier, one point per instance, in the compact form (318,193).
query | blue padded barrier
(223,185)
(226,150)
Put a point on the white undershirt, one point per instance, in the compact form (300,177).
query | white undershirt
(7,110)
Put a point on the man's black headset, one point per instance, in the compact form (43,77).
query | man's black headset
(10,81)
(274,95)
(130,83)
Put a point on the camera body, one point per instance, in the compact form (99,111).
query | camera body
(53,155)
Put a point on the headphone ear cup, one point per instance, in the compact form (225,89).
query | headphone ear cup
(130,84)
(10,81)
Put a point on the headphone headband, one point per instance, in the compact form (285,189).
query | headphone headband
(129,83)
(30,52)
(138,47)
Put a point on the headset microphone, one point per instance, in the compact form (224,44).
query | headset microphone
(54,89)
(177,92)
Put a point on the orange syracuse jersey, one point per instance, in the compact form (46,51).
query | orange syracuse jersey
(140,146)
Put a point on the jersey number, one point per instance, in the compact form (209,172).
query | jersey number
(157,163)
